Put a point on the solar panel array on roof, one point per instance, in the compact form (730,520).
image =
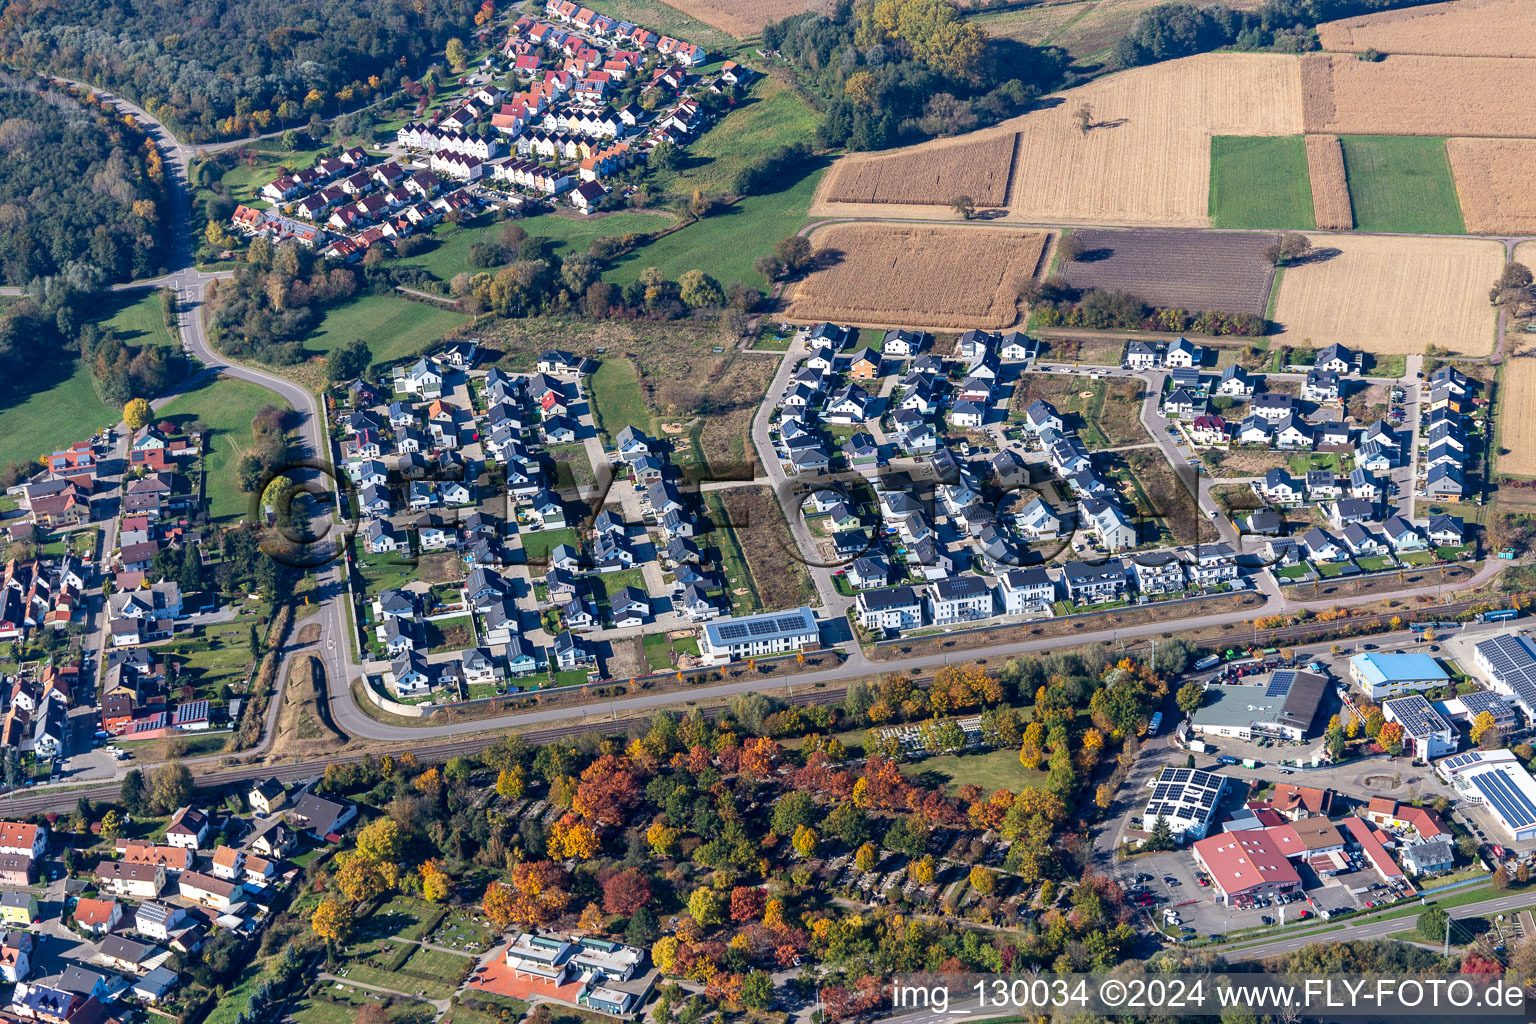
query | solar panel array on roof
(1417,717)
(1462,760)
(1184,795)
(732,631)
(1280,683)
(1484,700)
(1513,665)
(1513,805)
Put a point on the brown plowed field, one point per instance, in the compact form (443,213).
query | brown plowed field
(1192,270)
(1415,95)
(1493,179)
(1466,28)
(1330,190)
(1390,295)
(906,275)
(934,173)
(1147,161)
(741,18)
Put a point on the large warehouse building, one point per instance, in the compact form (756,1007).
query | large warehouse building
(1509,663)
(1387,675)
(1499,782)
(1284,705)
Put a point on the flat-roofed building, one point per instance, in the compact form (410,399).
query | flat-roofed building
(1425,731)
(1187,798)
(1386,675)
(1285,705)
(1497,781)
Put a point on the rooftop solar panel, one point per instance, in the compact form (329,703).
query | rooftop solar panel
(732,631)
(1179,775)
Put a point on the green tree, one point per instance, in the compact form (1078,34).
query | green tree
(1431,924)
(133,792)
(454,53)
(642,929)
(172,787)
(698,290)
(706,906)
(756,990)
(793,252)
(965,206)
(793,810)
(1162,835)
(346,362)
(1190,696)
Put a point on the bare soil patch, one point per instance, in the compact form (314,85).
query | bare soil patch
(1392,295)
(1419,95)
(1465,28)
(1243,462)
(1223,271)
(933,173)
(1330,191)
(773,559)
(1493,182)
(917,275)
(1147,158)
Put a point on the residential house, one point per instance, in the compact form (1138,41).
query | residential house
(959,599)
(1095,584)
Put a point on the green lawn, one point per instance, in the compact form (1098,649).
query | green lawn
(613,582)
(573,468)
(226,406)
(570,234)
(453,634)
(228,659)
(56,405)
(772,115)
(394,327)
(245,181)
(1260,183)
(997,769)
(726,244)
(348,998)
(1401,183)
(386,571)
(616,399)
(538,544)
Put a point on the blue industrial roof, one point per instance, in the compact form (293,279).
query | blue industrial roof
(1377,669)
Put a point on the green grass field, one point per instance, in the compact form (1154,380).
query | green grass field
(1401,183)
(227,406)
(997,769)
(570,234)
(60,406)
(394,327)
(1260,183)
(726,244)
(771,116)
(616,399)
(244,182)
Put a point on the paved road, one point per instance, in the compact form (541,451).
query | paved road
(1368,928)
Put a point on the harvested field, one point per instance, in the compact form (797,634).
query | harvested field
(932,173)
(1148,158)
(1223,271)
(917,276)
(741,18)
(1516,455)
(1408,95)
(1032,25)
(1466,28)
(1330,190)
(1493,181)
(1392,295)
